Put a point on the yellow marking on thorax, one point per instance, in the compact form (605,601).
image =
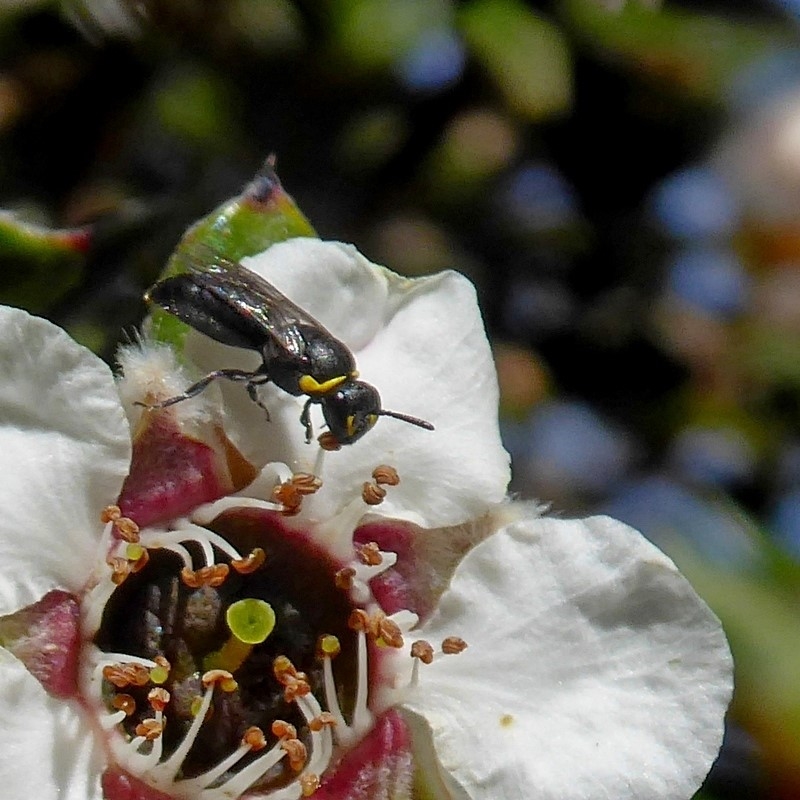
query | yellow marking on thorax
(310,385)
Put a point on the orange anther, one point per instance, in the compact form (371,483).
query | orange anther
(423,651)
(158,698)
(369,554)
(453,645)
(372,494)
(254,738)
(297,753)
(385,475)
(249,564)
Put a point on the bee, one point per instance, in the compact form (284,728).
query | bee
(231,304)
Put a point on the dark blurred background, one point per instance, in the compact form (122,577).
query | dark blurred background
(620,179)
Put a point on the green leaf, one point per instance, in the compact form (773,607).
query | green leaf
(525,53)
(39,264)
(249,223)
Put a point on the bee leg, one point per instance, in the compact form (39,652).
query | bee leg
(252,391)
(305,420)
(196,388)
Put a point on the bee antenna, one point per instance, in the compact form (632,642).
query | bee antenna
(420,423)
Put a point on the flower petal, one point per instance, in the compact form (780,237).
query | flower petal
(43,740)
(422,344)
(64,451)
(593,669)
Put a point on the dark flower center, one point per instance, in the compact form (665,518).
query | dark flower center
(155,615)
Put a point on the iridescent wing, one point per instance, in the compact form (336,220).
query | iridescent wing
(252,298)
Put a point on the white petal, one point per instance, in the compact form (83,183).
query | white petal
(64,452)
(47,747)
(423,345)
(593,669)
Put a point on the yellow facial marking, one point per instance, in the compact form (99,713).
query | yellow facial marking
(351,425)
(310,385)
(371,419)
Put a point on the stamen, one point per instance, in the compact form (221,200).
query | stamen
(150,729)
(254,738)
(212,576)
(122,675)
(126,529)
(120,569)
(385,475)
(309,783)
(110,514)
(295,683)
(124,702)
(372,494)
(327,441)
(140,563)
(160,672)
(221,678)
(283,729)
(423,651)
(325,719)
(343,579)
(306,483)
(248,565)
(369,554)
(158,699)
(290,499)
(453,645)
(297,753)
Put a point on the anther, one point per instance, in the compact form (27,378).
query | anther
(306,483)
(296,752)
(295,684)
(126,529)
(289,496)
(328,646)
(389,633)
(325,719)
(372,494)
(453,645)
(120,569)
(327,441)
(422,650)
(245,566)
(109,514)
(309,784)
(343,579)
(150,729)
(137,556)
(124,702)
(212,576)
(158,699)
(358,620)
(385,475)
(254,738)
(122,675)
(369,554)
(221,678)
(283,729)
(160,672)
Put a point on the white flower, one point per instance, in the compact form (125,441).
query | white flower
(422,344)
(591,668)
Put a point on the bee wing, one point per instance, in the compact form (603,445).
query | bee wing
(253,297)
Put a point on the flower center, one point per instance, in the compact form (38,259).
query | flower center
(232,664)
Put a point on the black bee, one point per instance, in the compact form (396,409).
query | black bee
(234,306)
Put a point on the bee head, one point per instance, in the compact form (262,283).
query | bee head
(354,408)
